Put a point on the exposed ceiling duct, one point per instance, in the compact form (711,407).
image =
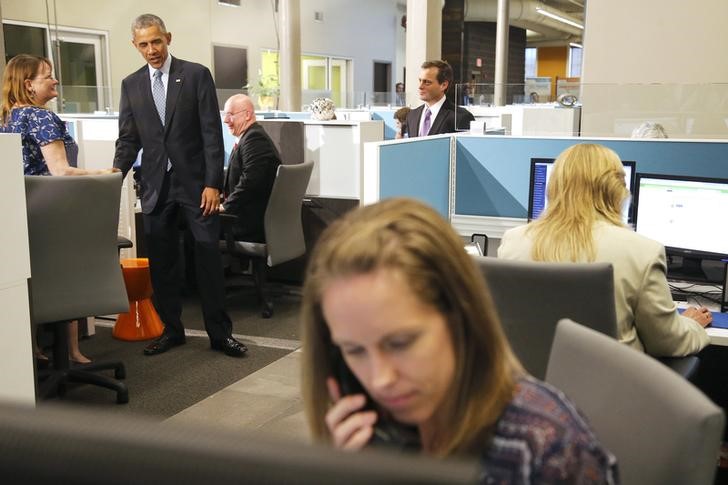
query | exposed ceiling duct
(553,25)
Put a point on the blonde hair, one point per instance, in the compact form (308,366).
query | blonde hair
(586,185)
(20,68)
(409,237)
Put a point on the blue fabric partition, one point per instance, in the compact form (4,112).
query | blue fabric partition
(492,173)
(419,168)
(390,127)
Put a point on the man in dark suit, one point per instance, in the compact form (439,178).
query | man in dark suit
(251,170)
(437,115)
(169,108)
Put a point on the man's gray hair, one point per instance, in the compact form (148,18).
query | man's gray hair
(147,20)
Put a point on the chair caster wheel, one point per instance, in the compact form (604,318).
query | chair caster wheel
(120,373)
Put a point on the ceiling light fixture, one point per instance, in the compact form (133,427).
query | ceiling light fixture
(574,44)
(559,18)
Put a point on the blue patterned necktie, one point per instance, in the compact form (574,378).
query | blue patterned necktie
(160,97)
(426,125)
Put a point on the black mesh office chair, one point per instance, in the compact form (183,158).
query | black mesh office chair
(75,272)
(282,225)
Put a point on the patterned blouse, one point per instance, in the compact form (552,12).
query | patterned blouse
(39,127)
(542,439)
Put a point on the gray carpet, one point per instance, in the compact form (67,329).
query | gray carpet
(160,386)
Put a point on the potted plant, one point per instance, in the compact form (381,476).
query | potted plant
(266,90)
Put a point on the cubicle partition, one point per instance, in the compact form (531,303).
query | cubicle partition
(415,167)
(492,173)
(487,188)
(17,379)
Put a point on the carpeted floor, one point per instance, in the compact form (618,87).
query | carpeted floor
(163,385)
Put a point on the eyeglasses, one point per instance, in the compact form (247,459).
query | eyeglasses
(226,115)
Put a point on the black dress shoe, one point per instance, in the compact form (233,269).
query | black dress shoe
(163,344)
(230,346)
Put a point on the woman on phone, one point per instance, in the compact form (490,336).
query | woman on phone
(390,287)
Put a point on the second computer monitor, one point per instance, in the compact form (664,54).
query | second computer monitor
(541,169)
(686,214)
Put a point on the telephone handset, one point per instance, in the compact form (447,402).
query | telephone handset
(387,432)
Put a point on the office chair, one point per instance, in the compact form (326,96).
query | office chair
(531,298)
(75,272)
(288,137)
(660,427)
(282,226)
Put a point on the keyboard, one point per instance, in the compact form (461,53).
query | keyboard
(720,320)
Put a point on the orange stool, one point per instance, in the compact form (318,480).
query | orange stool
(142,321)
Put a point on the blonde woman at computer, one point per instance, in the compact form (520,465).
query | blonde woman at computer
(583,223)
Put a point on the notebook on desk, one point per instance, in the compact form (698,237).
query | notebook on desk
(720,320)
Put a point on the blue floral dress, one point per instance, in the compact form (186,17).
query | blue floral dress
(39,127)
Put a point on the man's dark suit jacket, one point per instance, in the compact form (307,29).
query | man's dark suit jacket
(443,123)
(249,180)
(191,136)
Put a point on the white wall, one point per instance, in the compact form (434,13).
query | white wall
(361,31)
(629,44)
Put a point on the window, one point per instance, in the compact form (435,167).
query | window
(531,63)
(575,57)
(22,39)
(321,76)
(80,62)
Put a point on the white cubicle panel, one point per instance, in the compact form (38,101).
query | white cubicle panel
(530,119)
(17,379)
(337,150)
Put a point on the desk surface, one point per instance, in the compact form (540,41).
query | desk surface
(718,336)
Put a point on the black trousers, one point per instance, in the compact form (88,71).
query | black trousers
(161,230)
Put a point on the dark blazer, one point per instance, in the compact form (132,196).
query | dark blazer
(249,181)
(443,123)
(191,137)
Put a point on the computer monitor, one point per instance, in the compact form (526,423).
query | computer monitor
(541,169)
(685,214)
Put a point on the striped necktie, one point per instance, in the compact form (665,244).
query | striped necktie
(426,125)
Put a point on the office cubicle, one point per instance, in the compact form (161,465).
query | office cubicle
(486,177)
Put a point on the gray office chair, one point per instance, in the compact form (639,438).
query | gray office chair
(531,298)
(660,427)
(288,137)
(75,271)
(282,226)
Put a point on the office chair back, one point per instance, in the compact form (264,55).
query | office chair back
(288,138)
(83,446)
(531,298)
(282,220)
(660,427)
(72,233)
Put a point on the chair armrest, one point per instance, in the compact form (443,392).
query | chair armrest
(123,243)
(227,221)
(685,366)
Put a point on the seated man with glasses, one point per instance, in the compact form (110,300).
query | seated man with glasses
(251,170)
